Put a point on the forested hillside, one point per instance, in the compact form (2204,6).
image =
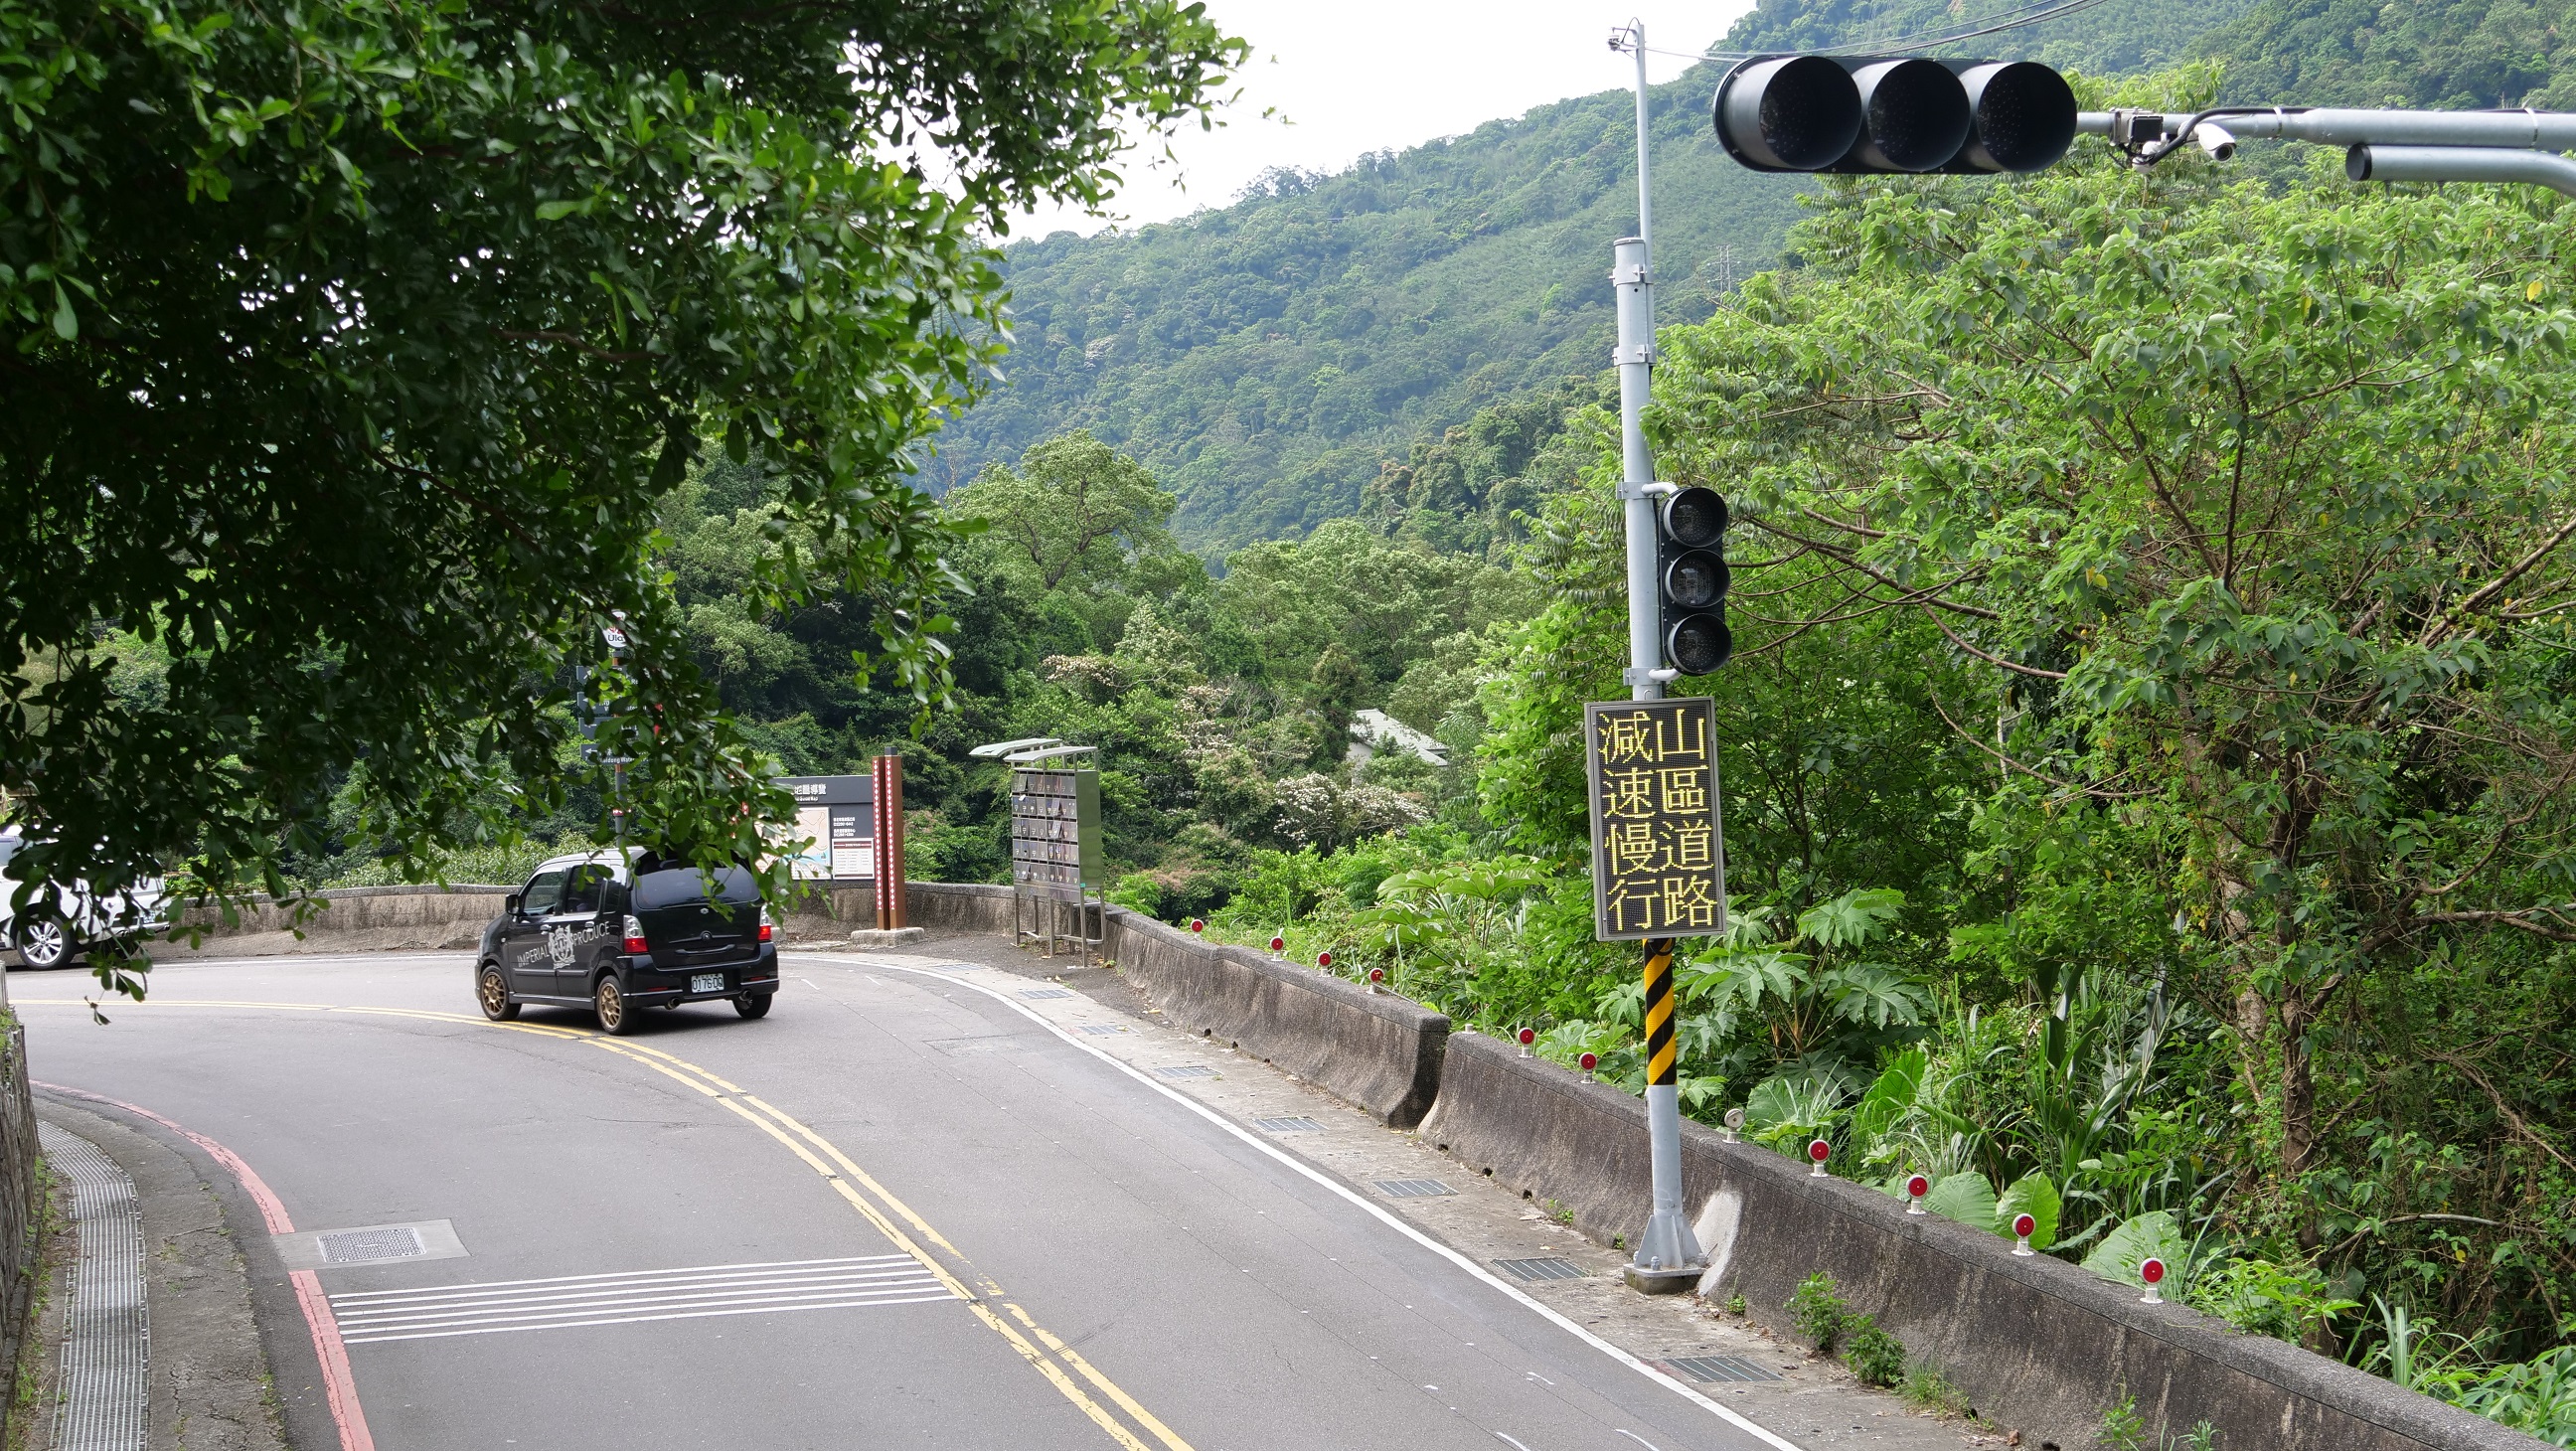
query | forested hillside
(2452,54)
(1266,358)
(1263,359)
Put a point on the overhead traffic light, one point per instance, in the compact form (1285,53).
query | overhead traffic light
(1691,578)
(1905,113)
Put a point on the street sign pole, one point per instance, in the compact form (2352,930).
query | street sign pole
(1668,1255)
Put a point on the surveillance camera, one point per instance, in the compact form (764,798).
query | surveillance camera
(2215,139)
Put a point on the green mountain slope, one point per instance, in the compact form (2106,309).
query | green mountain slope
(2451,54)
(1267,360)
(1263,358)
(2112,37)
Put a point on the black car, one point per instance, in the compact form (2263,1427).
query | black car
(615,933)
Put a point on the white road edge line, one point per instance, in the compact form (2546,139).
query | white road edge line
(1352,1196)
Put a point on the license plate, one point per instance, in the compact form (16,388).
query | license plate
(707,982)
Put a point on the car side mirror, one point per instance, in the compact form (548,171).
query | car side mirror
(510,908)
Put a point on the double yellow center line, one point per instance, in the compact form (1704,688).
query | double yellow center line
(1062,1365)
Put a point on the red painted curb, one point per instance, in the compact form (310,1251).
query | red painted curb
(339,1383)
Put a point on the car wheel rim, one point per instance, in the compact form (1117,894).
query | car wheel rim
(611,1007)
(495,997)
(44,944)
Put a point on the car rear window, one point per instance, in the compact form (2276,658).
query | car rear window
(687,884)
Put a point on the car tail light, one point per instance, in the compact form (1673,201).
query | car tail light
(635,935)
(765,928)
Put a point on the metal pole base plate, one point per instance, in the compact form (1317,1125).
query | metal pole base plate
(1662,1282)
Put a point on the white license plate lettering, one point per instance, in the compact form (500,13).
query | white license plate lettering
(707,982)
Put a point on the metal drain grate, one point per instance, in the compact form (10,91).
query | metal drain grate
(363,1246)
(1187,1070)
(107,1335)
(1046,992)
(1102,1030)
(1720,1367)
(1288,1125)
(1411,1188)
(1531,1271)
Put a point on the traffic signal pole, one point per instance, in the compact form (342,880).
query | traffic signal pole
(1668,1255)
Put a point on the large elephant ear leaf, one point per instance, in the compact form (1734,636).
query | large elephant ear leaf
(1889,1099)
(2036,1196)
(1772,1102)
(1966,1197)
(2152,1235)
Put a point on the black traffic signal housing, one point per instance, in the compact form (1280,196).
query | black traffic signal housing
(1691,580)
(1893,113)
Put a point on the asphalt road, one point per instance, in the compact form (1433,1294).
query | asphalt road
(896,1212)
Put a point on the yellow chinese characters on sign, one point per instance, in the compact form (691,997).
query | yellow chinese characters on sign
(1658,847)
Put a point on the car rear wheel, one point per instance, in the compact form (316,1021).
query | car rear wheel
(752,1005)
(494,994)
(44,942)
(610,1000)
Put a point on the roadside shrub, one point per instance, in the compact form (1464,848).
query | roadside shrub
(1873,1354)
(1819,1311)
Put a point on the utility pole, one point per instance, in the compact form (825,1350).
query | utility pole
(1668,1255)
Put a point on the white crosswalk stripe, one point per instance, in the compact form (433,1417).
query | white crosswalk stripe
(562,1303)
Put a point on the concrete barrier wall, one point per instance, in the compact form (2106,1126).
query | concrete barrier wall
(20,1219)
(358,908)
(2037,1343)
(941,907)
(348,919)
(1380,1052)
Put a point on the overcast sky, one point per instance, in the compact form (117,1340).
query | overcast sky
(1354,76)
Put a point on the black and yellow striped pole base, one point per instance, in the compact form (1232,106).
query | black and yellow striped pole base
(1662,1058)
(1668,1257)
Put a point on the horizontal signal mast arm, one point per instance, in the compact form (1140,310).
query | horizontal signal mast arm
(2337,126)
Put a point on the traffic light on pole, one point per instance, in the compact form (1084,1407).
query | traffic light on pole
(1894,113)
(1691,579)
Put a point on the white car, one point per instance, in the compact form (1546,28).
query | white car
(56,934)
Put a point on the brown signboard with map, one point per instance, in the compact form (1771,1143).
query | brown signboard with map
(1658,848)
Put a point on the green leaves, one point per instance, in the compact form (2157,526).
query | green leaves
(2153,1235)
(1967,1197)
(365,418)
(2034,1195)
(1851,919)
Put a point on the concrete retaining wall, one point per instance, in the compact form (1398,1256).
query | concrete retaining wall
(2037,1343)
(20,1221)
(349,919)
(1380,1052)
(942,907)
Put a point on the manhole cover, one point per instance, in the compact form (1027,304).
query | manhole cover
(1047,992)
(1288,1125)
(1412,1188)
(1533,1270)
(1187,1070)
(1102,1030)
(1720,1367)
(353,1246)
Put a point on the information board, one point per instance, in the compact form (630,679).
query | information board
(1658,847)
(834,823)
(1056,849)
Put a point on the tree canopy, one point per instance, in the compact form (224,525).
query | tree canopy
(352,347)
